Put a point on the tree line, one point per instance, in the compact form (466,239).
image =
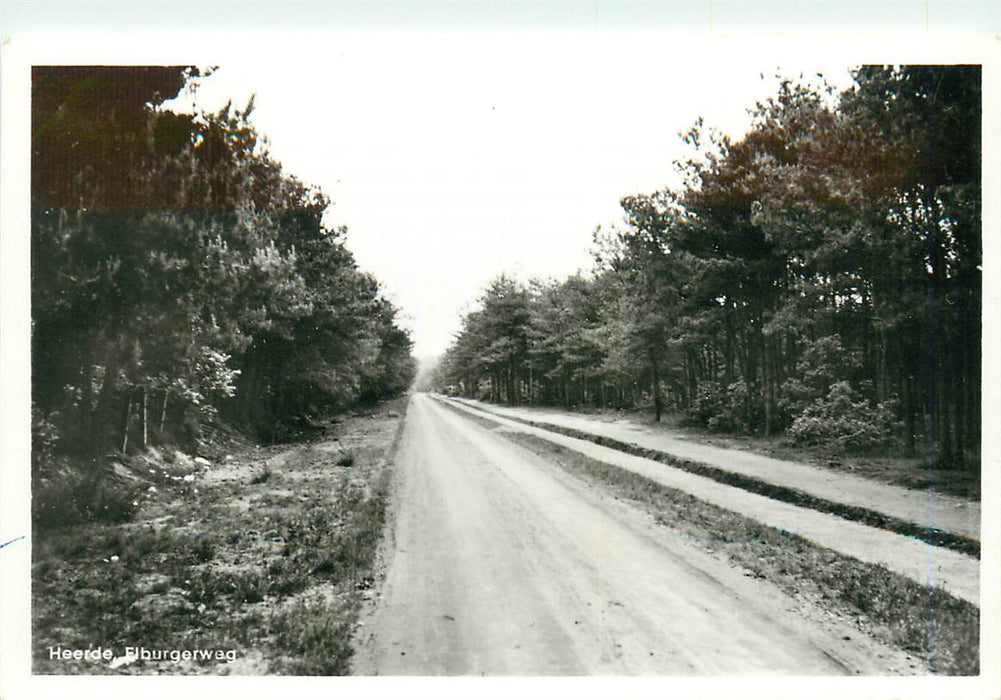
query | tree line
(820,276)
(179,274)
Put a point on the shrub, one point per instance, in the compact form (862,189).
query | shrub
(261,476)
(823,362)
(726,408)
(83,495)
(792,398)
(842,422)
(705,404)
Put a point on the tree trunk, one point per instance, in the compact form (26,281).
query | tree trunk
(106,417)
(163,410)
(909,416)
(128,419)
(657,403)
(85,414)
(143,422)
(767,375)
(531,398)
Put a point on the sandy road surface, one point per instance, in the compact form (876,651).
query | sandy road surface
(946,512)
(501,564)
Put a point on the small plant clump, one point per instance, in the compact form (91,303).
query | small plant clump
(846,424)
(77,495)
(261,476)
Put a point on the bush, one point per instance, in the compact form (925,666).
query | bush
(262,476)
(823,362)
(826,361)
(792,399)
(730,408)
(842,422)
(705,404)
(75,496)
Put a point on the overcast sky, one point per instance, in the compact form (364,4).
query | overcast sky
(454,158)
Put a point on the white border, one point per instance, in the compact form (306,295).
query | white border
(19,53)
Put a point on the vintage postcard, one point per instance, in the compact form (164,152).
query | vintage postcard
(535,356)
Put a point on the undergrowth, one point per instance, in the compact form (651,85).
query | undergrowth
(280,581)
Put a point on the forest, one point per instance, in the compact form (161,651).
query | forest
(819,277)
(180,277)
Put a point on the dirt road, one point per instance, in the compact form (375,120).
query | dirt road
(502,564)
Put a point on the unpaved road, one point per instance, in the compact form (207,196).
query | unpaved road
(500,563)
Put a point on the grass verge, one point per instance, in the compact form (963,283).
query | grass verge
(930,623)
(264,560)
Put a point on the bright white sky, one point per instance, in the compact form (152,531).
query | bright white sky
(453,158)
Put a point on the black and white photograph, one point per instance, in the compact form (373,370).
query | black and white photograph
(518,355)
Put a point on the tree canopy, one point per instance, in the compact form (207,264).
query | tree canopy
(820,276)
(178,273)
